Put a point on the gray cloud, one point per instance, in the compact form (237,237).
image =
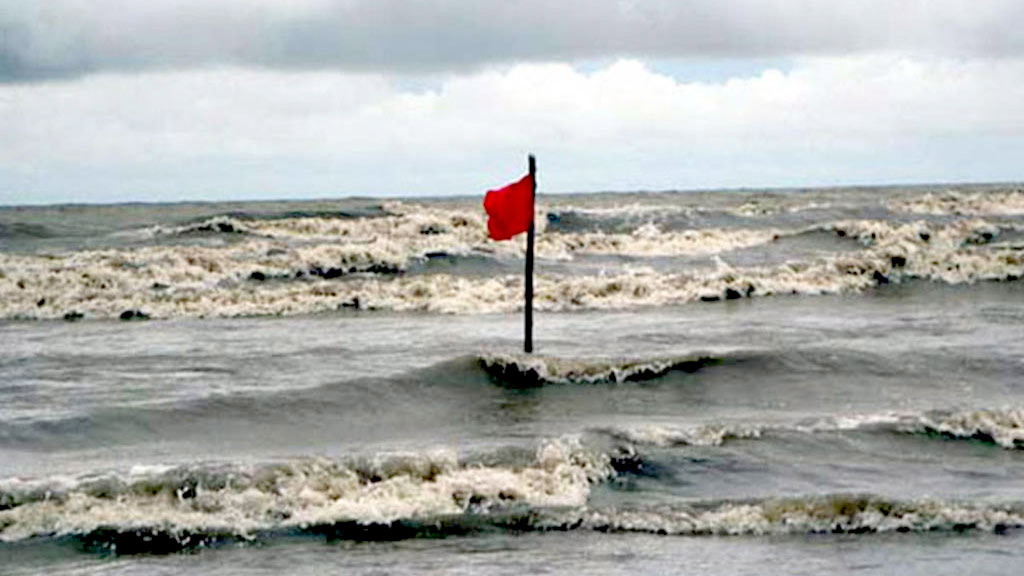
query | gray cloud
(61,38)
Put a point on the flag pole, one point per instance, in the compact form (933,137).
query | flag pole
(528,308)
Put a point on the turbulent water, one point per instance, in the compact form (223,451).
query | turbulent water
(799,381)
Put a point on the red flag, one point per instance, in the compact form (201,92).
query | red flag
(510,209)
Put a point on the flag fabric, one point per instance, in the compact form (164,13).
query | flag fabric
(510,209)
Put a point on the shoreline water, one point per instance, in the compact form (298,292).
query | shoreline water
(878,416)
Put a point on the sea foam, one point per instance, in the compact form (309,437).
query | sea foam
(242,501)
(311,265)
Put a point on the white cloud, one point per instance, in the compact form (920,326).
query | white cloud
(243,133)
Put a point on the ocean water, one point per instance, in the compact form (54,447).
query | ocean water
(735,382)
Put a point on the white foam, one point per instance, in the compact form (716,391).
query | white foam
(650,240)
(845,422)
(825,514)
(1004,427)
(311,492)
(554,370)
(202,281)
(632,210)
(668,435)
(954,203)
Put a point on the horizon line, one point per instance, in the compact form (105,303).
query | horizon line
(399,197)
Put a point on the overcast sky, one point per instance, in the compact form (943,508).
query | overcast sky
(114,100)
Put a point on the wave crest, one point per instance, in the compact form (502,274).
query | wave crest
(245,501)
(810,515)
(667,436)
(262,276)
(531,371)
(1002,427)
(956,203)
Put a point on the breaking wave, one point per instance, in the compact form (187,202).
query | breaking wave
(1002,427)
(956,203)
(835,514)
(530,371)
(307,265)
(668,435)
(418,229)
(178,508)
(388,496)
(650,240)
(208,501)
(629,210)
(441,492)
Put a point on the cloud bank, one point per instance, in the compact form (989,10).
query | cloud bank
(232,132)
(68,38)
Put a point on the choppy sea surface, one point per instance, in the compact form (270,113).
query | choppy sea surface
(734,382)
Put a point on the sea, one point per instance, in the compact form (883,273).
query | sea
(806,381)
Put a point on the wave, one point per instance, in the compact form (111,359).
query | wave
(221,224)
(424,229)
(243,501)
(670,207)
(442,492)
(263,276)
(650,240)
(158,509)
(394,218)
(830,514)
(17,230)
(668,435)
(349,396)
(348,400)
(1009,202)
(1002,427)
(619,210)
(772,206)
(531,371)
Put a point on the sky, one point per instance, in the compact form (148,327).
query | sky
(121,100)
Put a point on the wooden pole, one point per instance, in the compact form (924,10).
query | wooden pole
(528,309)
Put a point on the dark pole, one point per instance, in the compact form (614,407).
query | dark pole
(528,310)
